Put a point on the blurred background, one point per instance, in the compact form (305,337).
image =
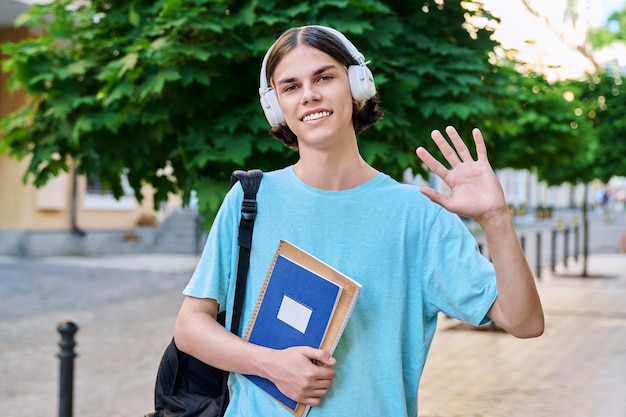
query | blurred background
(121,121)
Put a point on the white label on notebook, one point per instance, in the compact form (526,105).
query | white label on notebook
(294,314)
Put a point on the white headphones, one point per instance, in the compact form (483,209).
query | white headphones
(361,80)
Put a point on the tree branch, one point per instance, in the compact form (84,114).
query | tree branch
(583,49)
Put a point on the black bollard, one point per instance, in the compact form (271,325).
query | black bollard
(565,245)
(576,247)
(538,257)
(553,251)
(67,329)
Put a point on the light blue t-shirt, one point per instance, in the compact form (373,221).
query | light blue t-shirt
(413,258)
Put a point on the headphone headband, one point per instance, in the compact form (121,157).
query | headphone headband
(361,79)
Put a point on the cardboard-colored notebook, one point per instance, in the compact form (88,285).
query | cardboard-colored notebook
(303,302)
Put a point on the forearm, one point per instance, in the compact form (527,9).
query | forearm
(198,333)
(294,370)
(518,307)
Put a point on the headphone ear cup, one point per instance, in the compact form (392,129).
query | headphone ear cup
(361,82)
(271,108)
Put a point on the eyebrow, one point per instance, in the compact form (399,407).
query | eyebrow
(316,72)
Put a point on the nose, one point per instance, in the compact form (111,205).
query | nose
(309,93)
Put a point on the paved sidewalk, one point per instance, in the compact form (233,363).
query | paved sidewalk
(126,306)
(576,369)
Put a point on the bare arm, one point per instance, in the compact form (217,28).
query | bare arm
(292,370)
(476,193)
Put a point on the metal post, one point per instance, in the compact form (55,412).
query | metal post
(576,242)
(197,226)
(576,225)
(565,245)
(522,241)
(538,257)
(553,251)
(67,329)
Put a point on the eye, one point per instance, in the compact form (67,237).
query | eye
(289,88)
(325,78)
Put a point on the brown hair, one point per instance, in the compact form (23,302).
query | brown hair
(364,114)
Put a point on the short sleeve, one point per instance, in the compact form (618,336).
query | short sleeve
(459,281)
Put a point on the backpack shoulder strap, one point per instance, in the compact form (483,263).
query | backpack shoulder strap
(250,182)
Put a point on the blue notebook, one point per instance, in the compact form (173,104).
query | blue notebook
(295,309)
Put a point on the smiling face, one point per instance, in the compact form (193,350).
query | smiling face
(314,95)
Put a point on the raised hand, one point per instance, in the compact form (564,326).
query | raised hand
(475,189)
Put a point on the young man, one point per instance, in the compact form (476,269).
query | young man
(414,258)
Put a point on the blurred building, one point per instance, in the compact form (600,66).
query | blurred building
(71,215)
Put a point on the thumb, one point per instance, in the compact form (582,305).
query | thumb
(434,196)
(321,357)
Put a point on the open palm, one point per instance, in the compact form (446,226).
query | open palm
(475,189)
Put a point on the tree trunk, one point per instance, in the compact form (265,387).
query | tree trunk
(73,210)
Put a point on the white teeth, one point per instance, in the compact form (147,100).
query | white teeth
(316,116)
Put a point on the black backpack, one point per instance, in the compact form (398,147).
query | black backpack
(186,386)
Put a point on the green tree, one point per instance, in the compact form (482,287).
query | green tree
(165,91)
(601,101)
(540,127)
(613,30)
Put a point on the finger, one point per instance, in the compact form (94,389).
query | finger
(479,141)
(461,149)
(445,148)
(320,356)
(321,388)
(323,383)
(325,373)
(434,196)
(435,166)
(313,401)
(318,393)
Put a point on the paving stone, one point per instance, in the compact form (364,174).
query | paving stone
(577,368)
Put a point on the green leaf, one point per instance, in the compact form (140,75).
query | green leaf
(155,83)
(128,62)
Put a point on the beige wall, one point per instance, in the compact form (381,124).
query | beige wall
(9,102)
(23,206)
(14,197)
